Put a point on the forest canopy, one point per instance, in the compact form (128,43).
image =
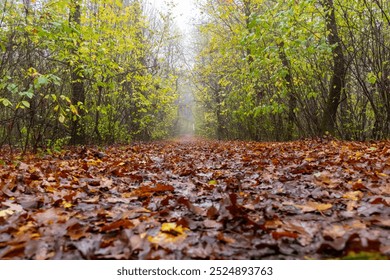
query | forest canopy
(93,94)
(109,71)
(286,69)
(78,71)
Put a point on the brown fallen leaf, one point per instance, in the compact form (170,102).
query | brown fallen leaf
(77,231)
(280,234)
(225,239)
(121,224)
(145,191)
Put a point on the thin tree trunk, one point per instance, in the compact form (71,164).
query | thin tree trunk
(337,82)
(97,114)
(77,82)
(292,99)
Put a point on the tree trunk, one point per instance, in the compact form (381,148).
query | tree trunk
(337,82)
(220,119)
(292,99)
(77,82)
(97,114)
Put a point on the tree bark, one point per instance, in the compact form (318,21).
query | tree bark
(292,98)
(77,82)
(337,82)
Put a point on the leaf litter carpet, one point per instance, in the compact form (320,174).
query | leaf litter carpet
(198,199)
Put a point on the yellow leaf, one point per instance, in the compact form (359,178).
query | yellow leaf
(50,189)
(355,196)
(358,154)
(314,206)
(321,206)
(6,212)
(213,182)
(61,118)
(169,233)
(35,235)
(335,231)
(94,162)
(127,195)
(169,227)
(74,110)
(25,228)
(67,204)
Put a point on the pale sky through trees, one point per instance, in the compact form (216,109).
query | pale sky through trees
(184,12)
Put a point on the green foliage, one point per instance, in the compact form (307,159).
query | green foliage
(364,256)
(265,67)
(5,102)
(114,53)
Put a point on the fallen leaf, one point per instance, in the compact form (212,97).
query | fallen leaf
(67,204)
(280,234)
(6,212)
(121,224)
(15,208)
(212,224)
(312,206)
(358,186)
(213,182)
(226,239)
(355,196)
(76,231)
(335,231)
(169,233)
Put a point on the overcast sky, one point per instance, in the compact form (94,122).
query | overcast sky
(184,12)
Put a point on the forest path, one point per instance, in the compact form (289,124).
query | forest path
(191,198)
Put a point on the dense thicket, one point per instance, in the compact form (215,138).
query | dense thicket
(85,71)
(283,69)
(108,71)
